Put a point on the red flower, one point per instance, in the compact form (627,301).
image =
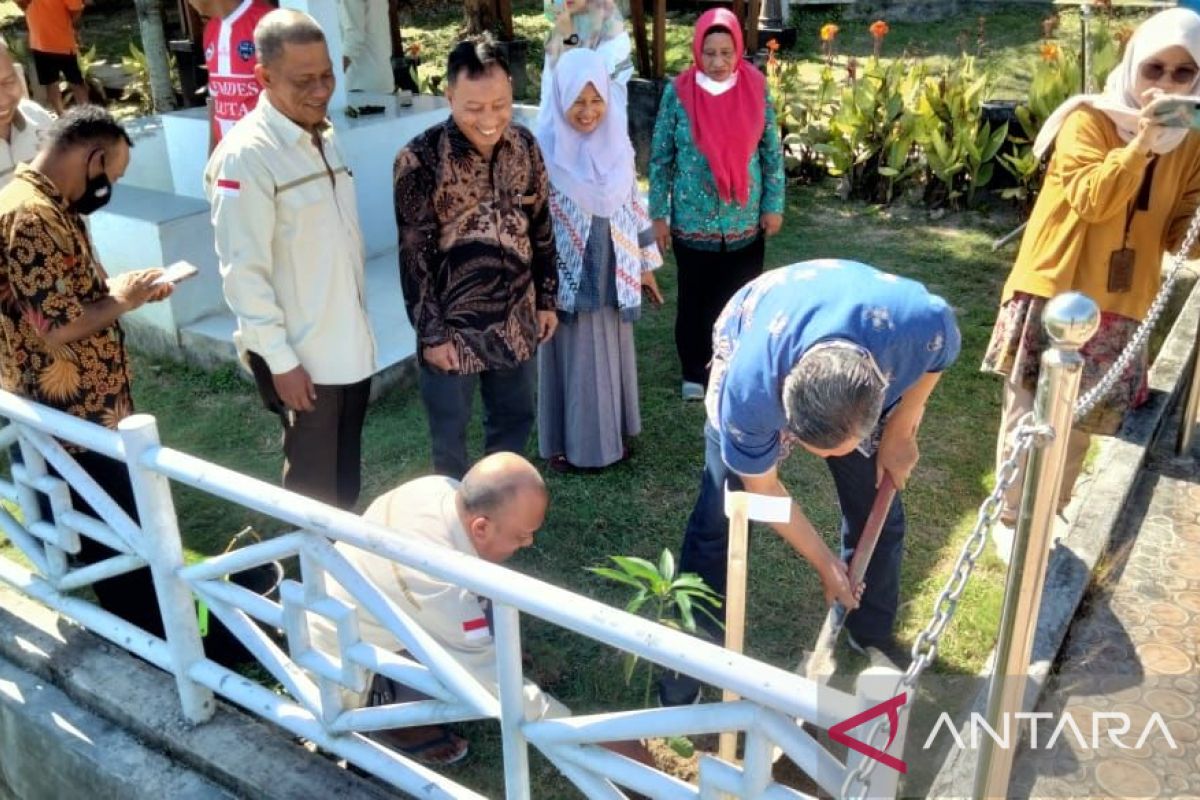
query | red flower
(879,29)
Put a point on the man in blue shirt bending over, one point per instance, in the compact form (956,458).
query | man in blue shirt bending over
(838,358)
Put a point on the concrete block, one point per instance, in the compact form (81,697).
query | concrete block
(233,755)
(53,748)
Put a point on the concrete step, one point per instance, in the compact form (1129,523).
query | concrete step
(209,341)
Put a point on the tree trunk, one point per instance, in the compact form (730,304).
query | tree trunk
(158,60)
(480,16)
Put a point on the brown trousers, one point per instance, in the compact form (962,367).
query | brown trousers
(322,448)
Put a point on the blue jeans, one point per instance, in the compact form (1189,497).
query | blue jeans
(707,537)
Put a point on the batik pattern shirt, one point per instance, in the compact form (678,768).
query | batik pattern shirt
(48,276)
(477,257)
(682,188)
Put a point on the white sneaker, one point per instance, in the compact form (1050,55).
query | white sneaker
(1002,537)
(693,391)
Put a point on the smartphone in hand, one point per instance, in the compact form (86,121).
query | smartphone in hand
(649,298)
(177,272)
(1173,111)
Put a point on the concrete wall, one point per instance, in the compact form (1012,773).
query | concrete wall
(82,718)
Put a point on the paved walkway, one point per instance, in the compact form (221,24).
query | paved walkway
(1134,650)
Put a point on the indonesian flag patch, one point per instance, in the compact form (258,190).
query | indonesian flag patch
(477,629)
(228,188)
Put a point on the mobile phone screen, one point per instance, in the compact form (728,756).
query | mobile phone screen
(179,271)
(1178,112)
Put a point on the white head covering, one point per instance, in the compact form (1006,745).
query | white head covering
(1175,27)
(595,169)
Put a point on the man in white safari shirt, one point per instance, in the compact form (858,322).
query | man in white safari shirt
(291,256)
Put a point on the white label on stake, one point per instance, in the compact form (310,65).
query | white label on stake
(761,507)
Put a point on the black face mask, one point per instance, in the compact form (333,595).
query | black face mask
(97,193)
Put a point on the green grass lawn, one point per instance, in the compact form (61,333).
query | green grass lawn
(640,507)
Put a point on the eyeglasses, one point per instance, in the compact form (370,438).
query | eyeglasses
(1154,70)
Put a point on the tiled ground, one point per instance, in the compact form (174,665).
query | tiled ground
(1135,648)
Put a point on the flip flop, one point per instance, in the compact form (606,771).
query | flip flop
(441,751)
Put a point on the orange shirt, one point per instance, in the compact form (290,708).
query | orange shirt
(50,27)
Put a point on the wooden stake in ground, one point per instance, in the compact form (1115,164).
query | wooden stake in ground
(737,507)
(741,507)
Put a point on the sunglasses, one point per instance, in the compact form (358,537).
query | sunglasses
(1153,70)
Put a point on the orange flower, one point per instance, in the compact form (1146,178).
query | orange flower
(828,31)
(772,45)
(414,49)
(1049,51)
(879,29)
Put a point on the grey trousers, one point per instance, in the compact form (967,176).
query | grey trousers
(508,405)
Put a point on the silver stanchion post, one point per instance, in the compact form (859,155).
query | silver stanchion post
(1191,406)
(1070,320)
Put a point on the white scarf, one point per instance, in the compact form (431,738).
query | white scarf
(1173,27)
(595,170)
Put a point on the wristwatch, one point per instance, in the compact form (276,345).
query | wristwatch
(571,40)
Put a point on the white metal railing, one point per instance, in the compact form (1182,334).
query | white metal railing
(317,683)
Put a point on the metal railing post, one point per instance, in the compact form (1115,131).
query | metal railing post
(1070,320)
(1191,405)
(511,680)
(163,550)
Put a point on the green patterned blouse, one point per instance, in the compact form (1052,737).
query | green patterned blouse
(682,186)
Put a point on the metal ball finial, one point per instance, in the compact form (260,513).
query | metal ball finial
(1071,319)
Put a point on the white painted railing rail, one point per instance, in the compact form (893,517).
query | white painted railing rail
(319,685)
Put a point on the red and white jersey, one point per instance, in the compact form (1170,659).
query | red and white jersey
(230,58)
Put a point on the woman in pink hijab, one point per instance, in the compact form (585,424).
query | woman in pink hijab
(716,183)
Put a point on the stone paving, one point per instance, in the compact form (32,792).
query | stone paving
(1133,652)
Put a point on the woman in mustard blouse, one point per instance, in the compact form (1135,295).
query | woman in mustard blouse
(1119,192)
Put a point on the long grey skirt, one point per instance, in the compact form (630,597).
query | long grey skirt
(588,390)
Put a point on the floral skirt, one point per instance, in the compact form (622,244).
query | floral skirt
(1019,338)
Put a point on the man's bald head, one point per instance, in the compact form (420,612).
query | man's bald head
(497,480)
(502,501)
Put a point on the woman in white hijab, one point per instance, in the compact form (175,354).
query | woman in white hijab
(1120,190)
(587,383)
(588,25)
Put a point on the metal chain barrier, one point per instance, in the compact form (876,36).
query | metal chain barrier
(1092,398)
(858,783)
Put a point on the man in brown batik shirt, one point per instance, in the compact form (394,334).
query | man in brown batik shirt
(477,259)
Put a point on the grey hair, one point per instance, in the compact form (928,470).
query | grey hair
(834,393)
(281,27)
(487,494)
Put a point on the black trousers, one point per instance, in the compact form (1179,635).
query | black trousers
(707,279)
(322,448)
(508,412)
(130,596)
